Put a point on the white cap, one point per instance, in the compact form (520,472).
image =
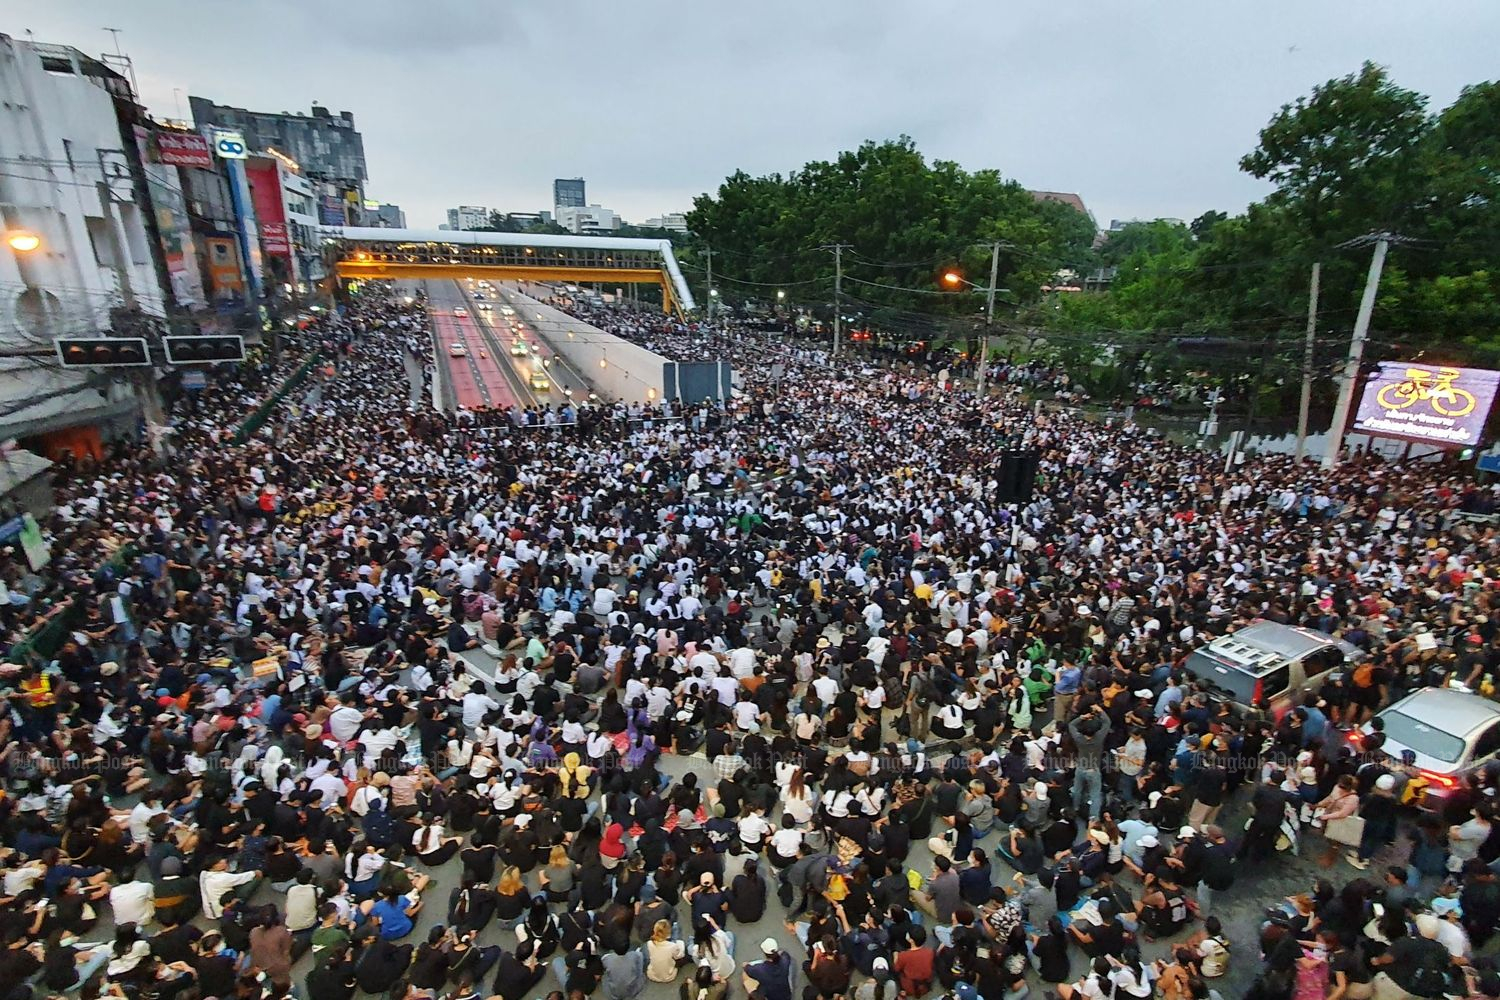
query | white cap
(1385,782)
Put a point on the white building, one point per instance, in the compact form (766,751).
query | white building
(468,217)
(587,219)
(68,180)
(674,221)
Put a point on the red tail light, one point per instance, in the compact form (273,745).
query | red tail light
(1356,737)
(1433,778)
(1260,690)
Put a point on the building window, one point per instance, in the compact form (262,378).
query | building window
(99,239)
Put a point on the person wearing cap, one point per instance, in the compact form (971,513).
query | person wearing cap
(1378,808)
(771,977)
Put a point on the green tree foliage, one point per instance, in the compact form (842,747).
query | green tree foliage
(1357,155)
(906,221)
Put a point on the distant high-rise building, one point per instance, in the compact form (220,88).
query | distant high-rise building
(468,217)
(568,192)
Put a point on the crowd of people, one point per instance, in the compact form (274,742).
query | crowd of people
(387,701)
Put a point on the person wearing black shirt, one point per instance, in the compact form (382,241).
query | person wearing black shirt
(518,973)
(380,964)
(334,979)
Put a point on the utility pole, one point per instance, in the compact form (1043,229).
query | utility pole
(708,253)
(1307,363)
(1356,352)
(989,319)
(838,295)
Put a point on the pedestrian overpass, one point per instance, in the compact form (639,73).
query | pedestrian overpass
(364,253)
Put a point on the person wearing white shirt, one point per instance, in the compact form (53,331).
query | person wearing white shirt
(826,688)
(344,722)
(784,845)
(726,689)
(747,716)
(218,880)
(133,903)
(477,703)
(741,662)
(754,829)
(140,818)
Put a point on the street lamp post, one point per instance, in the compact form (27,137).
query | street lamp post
(954,279)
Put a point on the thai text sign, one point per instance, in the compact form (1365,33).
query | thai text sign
(1428,403)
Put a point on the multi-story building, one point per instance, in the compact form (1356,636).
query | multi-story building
(286,220)
(326,146)
(385,215)
(81,254)
(468,217)
(588,219)
(568,192)
(673,221)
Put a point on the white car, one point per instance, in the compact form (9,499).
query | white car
(484,307)
(1449,734)
(457,351)
(540,382)
(460,311)
(518,349)
(507,311)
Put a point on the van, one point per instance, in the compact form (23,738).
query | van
(1270,667)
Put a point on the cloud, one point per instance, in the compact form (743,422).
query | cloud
(1144,109)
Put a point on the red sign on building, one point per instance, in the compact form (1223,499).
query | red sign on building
(273,239)
(270,210)
(183,149)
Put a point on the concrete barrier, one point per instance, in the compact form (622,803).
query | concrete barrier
(614,367)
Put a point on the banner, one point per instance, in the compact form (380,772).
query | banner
(274,239)
(270,207)
(1427,403)
(331,210)
(182,149)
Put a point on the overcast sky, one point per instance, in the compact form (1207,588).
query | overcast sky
(1143,108)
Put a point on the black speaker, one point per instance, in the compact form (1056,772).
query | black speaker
(1016,480)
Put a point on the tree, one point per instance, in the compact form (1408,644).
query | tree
(1343,158)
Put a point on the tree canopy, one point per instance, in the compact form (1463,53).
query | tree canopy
(1357,155)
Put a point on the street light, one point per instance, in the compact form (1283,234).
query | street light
(22,240)
(780,294)
(953,279)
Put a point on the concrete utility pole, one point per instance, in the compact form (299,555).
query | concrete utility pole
(1307,364)
(1356,352)
(838,295)
(708,253)
(989,319)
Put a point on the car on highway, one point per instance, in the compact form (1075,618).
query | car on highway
(460,311)
(484,307)
(1449,734)
(518,348)
(457,351)
(540,382)
(479,296)
(507,311)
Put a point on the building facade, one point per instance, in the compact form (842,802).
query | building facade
(673,221)
(588,219)
(75,181)
(568,192)
(468,217)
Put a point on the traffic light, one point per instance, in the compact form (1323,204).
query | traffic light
(102,352)
(204,350)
